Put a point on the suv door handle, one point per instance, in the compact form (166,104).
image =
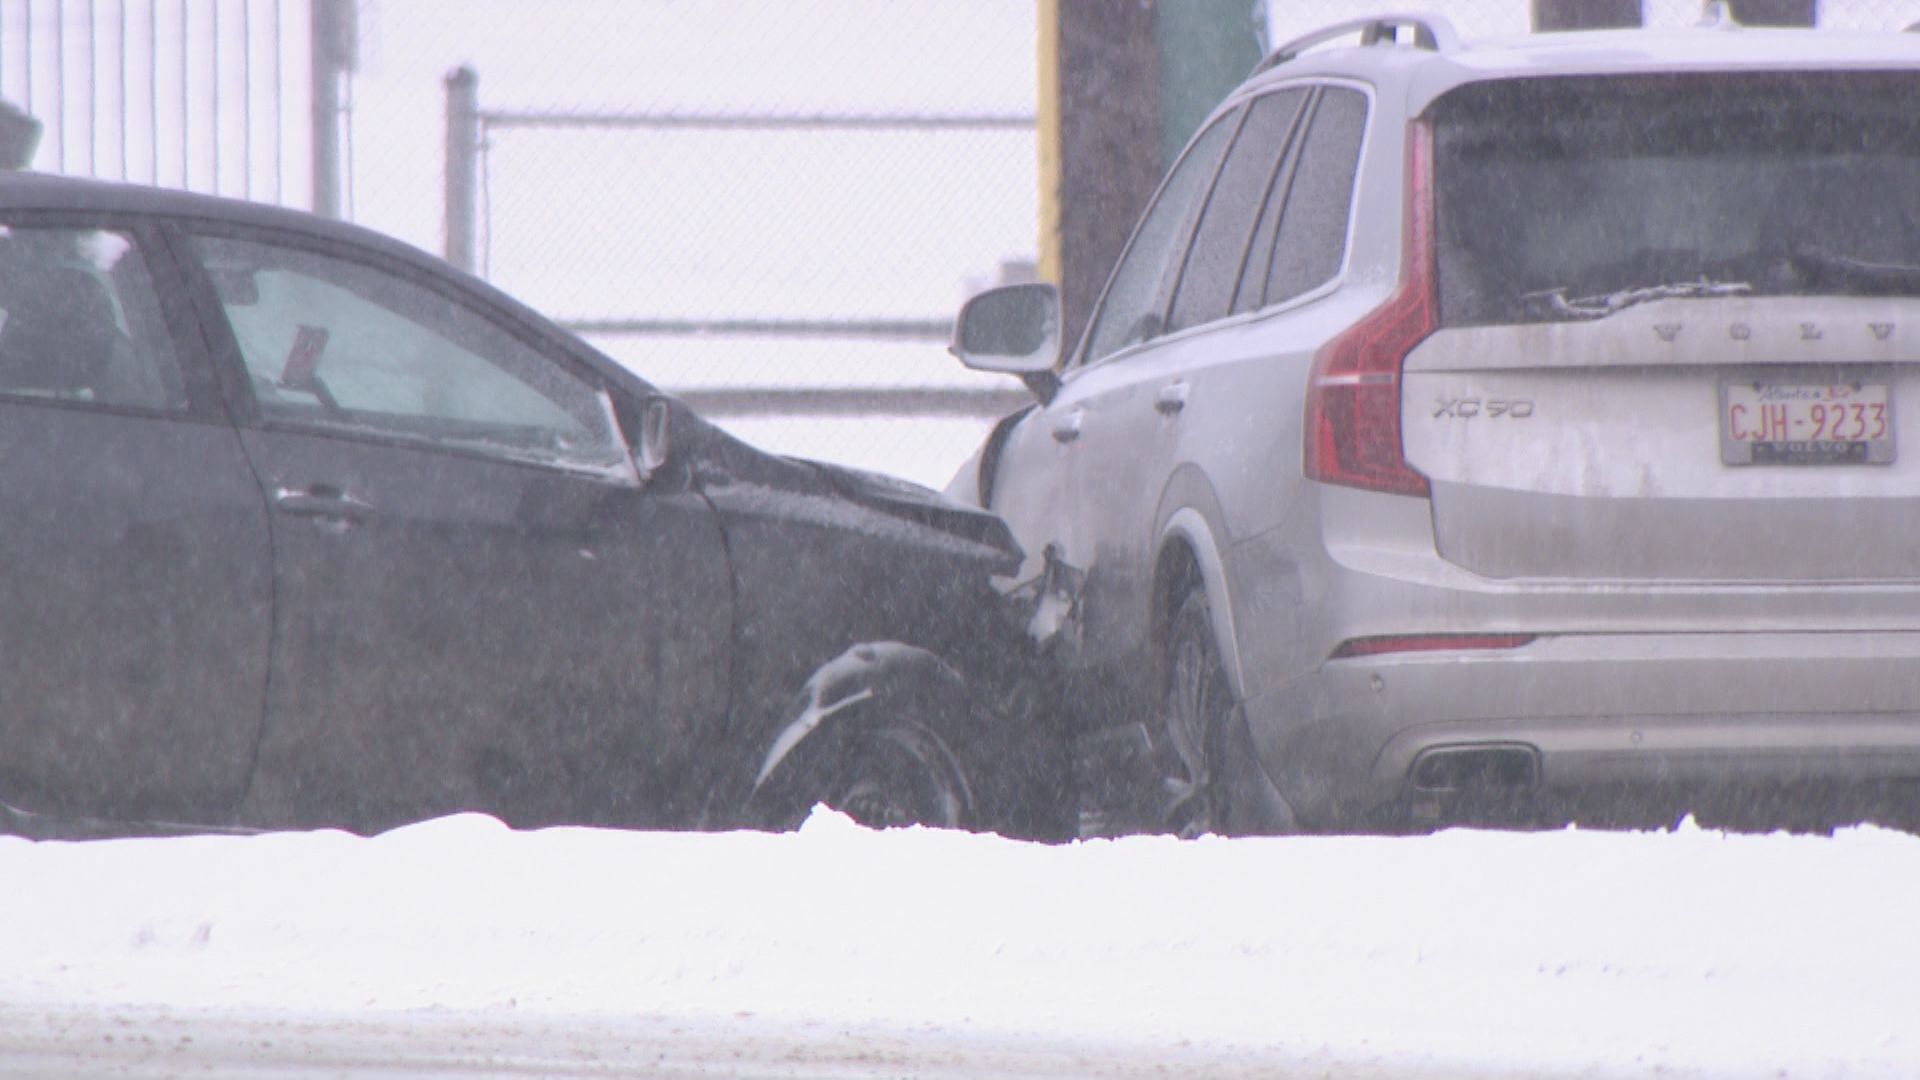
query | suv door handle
(1171,398)
(322,501)
(1067,428)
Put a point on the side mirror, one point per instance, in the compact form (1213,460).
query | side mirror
(656,442)
(647,453)
(1014,330)
(19,137)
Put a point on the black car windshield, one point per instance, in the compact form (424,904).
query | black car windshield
(1571,198)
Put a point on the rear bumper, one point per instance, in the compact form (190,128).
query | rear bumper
(1566,719)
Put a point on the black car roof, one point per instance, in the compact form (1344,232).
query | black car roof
(45,191)
(48,192)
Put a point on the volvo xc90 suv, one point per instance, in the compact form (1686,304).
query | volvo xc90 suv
(1516,429)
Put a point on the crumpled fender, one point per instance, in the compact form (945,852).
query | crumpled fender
(898,683)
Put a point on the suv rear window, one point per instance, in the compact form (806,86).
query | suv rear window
(1555,194)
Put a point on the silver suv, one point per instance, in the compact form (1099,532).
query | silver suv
(1522,429)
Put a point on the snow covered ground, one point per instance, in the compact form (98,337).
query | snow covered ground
(840,951)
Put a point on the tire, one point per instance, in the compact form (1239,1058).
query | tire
(1196,707)
(899,775)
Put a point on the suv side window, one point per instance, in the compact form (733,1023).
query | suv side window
(1311,236)
(1226,225)
(343,345)
(1136,301)
(80,322)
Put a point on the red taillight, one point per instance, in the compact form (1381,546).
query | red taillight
(1353,394)
(1392,643)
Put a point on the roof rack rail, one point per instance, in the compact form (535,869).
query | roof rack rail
(1429,32)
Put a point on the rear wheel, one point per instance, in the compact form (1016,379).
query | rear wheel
(1196,707)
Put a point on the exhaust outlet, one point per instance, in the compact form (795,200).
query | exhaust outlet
(1470,770)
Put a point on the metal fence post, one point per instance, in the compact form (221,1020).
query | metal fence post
(333,54)
(463,154)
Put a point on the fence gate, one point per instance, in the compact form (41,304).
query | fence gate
(229,97)
(769,267)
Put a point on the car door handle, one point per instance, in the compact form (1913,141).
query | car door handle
(1067,428)
(322,501)
(1171,398)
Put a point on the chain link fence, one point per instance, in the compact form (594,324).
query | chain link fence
(737,234)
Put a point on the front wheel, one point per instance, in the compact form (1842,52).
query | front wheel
(898,775)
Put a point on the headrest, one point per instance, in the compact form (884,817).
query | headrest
(59,331)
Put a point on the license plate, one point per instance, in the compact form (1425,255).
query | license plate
(1805,423)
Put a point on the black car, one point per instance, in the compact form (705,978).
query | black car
(304,528)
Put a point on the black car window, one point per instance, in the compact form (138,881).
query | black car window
(80,322)
(1311,236)
(1134,308)
(1226,225)
(342,344)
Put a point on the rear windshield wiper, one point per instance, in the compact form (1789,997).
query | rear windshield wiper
(1604,304)
(1853,271)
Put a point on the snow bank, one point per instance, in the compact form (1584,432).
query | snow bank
(1568,951)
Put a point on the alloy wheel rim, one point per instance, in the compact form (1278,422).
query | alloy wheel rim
(871,801)
(1188,708)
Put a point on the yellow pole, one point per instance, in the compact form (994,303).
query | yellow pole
(1047,135)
